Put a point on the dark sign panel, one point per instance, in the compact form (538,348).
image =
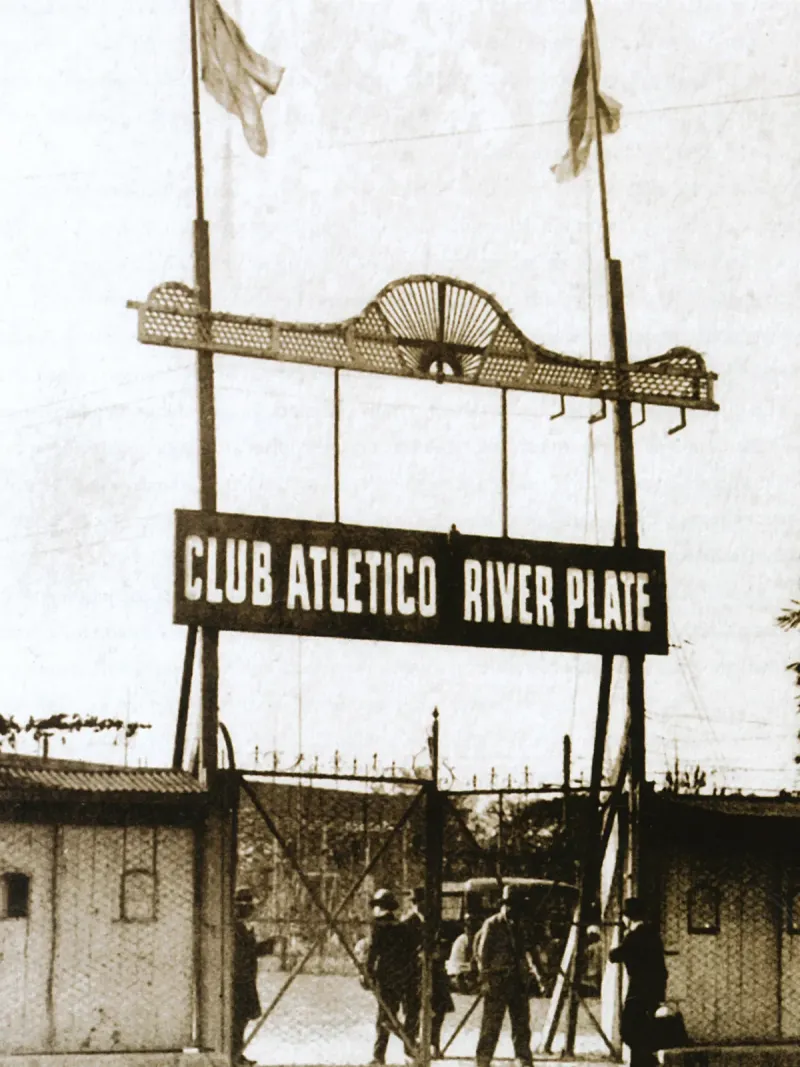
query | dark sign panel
(321,579)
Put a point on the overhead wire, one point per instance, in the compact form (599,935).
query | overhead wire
(540,123)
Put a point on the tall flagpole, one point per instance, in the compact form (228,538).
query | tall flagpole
(626,477)
(206,418)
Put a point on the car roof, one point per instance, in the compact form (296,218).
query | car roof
(478,884)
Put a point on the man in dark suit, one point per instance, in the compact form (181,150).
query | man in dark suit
(642,954)
(441,1000)
(246,951)
(391,968)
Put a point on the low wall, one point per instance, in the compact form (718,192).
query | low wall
(115,1059)
(733,1056)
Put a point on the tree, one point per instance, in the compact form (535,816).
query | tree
(61,723)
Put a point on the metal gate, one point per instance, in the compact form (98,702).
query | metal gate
(315,849)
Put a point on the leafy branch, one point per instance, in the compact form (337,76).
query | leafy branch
(60,722)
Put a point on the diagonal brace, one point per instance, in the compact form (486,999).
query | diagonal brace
(330,918)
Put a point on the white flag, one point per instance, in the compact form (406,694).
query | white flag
(236,76)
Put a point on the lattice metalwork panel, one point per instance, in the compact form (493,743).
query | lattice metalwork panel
(423,327)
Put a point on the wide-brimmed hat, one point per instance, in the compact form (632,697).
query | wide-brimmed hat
(244,895)
(385,899)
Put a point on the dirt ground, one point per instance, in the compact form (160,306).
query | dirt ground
(331,1020)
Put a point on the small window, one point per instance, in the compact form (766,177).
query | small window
(16,890)
(704,908)
(138,896)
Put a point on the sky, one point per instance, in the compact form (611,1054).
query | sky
(407,137)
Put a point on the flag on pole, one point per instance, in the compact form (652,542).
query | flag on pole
(236,76)
(581,124)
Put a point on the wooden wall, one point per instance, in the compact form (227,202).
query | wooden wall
(104,960)
(741,983)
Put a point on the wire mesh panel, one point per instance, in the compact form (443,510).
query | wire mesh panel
(725,925)
(122,956)
(26,866)
(314,855)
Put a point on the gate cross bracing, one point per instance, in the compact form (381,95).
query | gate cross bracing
(327,843)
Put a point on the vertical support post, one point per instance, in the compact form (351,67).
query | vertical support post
(629,537)
(206,417)
(183,700)
(504,459)
(566,778)
(336,516)
(434,859)
(592,848)
(626,473)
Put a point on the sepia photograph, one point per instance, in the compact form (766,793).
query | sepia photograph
(399,517)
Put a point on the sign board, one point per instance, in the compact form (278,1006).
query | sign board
(322,579)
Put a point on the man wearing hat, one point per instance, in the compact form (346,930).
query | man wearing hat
(391,970)
(505,977)
(246,950)
(642,953)
(441,1000)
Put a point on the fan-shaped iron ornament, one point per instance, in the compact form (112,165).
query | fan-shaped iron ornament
(424,327)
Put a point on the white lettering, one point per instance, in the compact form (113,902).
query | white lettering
(427,587)
(318,555)
(642,602)
(575,597)
(406,605)
(505,583)
(337,602)
(628,578)
(235,561)
(489,591)
(387,583)
(213,592)
(354,605)
(192,586)
(545,616)
(524,592)
(298,582)
(592,620)
(472,591)
(612,607)
(262,573)
(373,561)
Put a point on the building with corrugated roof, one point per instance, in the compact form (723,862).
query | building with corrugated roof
(112,928)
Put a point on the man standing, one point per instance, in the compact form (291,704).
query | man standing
(441,1000)
(505,976)
(246,950)
(642,954)
(391,970)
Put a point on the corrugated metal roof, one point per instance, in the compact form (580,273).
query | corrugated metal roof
(784,805)
(20,775)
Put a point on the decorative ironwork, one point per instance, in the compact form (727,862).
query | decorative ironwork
(427,327)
